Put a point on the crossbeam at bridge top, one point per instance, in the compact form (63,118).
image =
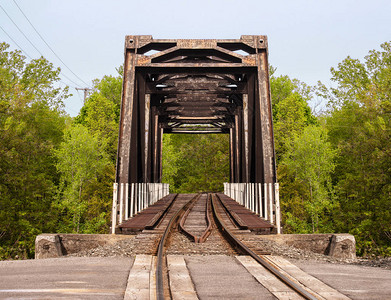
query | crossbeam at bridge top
(196,86)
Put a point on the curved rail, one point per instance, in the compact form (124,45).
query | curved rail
(202,238)
(261,260)
(159,263)
(208,229)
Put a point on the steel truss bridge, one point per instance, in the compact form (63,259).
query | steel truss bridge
(194,86)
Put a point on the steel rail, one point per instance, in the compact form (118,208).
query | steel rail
(160,251)
(261,260)
(155,222)
(202,238)
(181,225)
(238,222)
(208,229)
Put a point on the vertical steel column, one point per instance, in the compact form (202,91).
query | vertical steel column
(127,111)
(156,146)
(142,142)
(265,112)
(252,129)
(237,149)
(245,137)
(135,147)
(147,139)
(160,168)
(231,155)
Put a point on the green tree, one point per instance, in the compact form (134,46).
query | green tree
(291,112)
(89,210)
(311,160)
(100,113)
(359,122)
(31,126)
(170,161)
(195,163)
(291,115)
(80,159)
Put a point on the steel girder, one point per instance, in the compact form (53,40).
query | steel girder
(196,86)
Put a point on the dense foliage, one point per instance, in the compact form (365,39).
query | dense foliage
(334,169)
(56,173)
(31,126)
(195,162)
(86,160)
(359,124)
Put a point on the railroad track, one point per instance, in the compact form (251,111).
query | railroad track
(183,206)
(196,221)
(246,250)
(212,215)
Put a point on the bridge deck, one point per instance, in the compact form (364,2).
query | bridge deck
(149,217)
(245,217)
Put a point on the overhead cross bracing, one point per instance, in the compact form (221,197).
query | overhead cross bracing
(194,102)
(196,86)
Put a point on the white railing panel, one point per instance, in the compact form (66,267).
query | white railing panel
(130,199)
(261,198)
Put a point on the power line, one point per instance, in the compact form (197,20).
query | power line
(32,44)
(15,43)
(21,31)
(29,42)
(25,52)
(47,43)
(79,95)
(32,59)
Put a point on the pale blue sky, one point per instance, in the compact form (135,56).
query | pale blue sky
(306,37)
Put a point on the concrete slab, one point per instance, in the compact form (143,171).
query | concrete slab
(268,280)
(152,280)
(357,282)
(310,282)
(223,277)
(65,278)
(139,278)
(181,285)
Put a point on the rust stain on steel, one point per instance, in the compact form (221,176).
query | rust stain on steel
(197,44)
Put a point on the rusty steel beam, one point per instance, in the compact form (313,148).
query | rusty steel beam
(187,83)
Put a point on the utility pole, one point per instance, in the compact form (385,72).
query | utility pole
(85,92)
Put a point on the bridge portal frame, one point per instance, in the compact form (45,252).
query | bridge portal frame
(198,75)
